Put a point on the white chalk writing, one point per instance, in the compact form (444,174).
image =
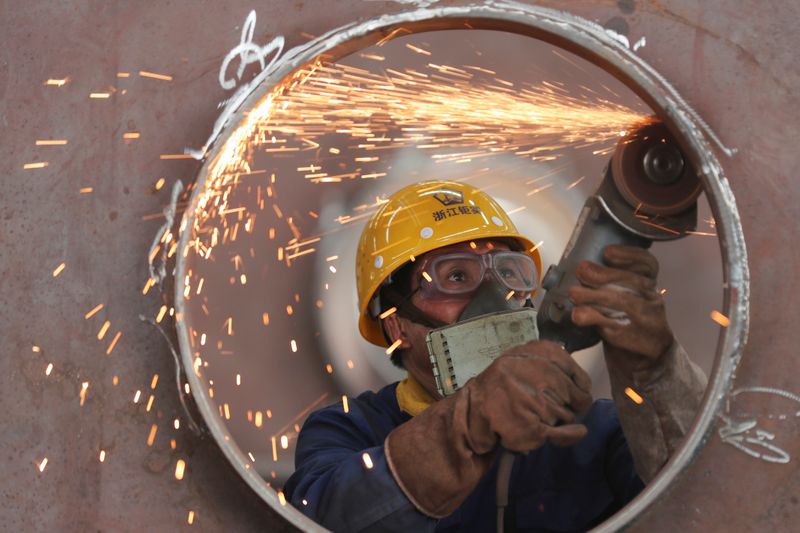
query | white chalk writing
(744,434)
(248,53)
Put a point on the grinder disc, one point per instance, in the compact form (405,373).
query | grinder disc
(652,173)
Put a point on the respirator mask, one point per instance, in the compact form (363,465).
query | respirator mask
(499,314)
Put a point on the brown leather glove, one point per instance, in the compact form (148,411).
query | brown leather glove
(621,300)
(438,457)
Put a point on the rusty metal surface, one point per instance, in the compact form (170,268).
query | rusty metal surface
(733,61)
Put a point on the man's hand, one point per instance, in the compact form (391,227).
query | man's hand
(621,300)
(528,396)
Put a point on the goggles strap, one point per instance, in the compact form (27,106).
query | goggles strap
(408,310)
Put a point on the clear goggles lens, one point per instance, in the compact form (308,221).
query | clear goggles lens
(462,273)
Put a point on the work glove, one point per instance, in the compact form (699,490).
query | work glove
(621,300)
(528,396)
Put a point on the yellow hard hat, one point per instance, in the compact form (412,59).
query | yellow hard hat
(420,218)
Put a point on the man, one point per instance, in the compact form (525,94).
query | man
(406,459)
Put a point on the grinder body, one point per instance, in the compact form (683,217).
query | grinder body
(649,193)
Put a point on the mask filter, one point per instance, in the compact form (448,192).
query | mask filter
(488,326)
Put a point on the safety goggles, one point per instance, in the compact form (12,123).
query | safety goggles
(462,273)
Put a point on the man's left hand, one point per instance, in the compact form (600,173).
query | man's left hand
(622,301)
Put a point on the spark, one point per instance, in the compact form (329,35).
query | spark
(123,74)
(633,395)
(238,379)
(163,77)
(137,396)
(154,382)
(51,142)
(190,518)
(293,344)
(60,268)
(281,497)
(417,49)
(102,455)
(150,401)
(57,82)
(42,464)
(113,343)
(99,95)
(388,312)
(84,190)
(329,368)
(259,419)
(175,156)
(395,345)
(161,313)
(84,388)
(345,404)
(131,135)
(49,369)
(103,330)
(94,311)
(274,450)
(427,277)
(159,183)
(284,442)
(36,349)
(367,460)
(509,295)
(350,364)
(180,468)
(720,319)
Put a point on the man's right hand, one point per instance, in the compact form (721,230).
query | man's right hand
(528,396)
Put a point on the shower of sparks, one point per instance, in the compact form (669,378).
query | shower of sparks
(634,396)
(455,114)
(720,319)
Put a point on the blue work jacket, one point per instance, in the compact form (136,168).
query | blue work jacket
(552,489)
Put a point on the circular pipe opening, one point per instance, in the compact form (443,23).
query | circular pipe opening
(579,37)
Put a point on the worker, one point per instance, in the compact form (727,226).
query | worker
(407,459)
